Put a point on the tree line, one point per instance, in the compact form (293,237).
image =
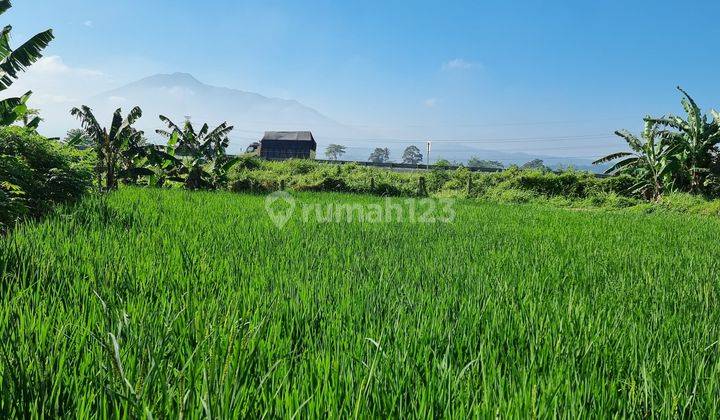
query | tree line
(411,156)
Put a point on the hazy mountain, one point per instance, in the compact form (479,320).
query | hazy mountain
(179,95)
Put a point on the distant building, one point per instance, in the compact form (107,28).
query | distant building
(280,145)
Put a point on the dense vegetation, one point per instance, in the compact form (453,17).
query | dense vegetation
(673,153)
(169,303)
(255,175)
(36,174)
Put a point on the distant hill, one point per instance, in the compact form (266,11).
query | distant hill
(180,94)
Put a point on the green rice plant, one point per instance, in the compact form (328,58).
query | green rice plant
(170,303)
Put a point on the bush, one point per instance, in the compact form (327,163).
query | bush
(511,195)
(37,174)
(683,202)
(620,184)
(571,184)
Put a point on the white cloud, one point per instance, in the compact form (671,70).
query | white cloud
(88,23)
(57,87)
(430,102)
(117,99)
(53,66)
(459,64)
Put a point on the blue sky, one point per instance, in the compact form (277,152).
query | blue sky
(458,69)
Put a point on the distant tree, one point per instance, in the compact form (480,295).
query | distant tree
(443,163)
(380,155)
(412,155)
(334,151)
(537,164)
(475,162)
(78,138)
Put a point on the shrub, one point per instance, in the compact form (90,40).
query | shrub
(255,181)
(248,163)
(568,184)
(300,166)
(683,202)
(620,184)
(511,195)
(325,184)
(37,173)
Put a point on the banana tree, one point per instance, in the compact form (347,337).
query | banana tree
(696,137)
(651,160)
(12,63)
(109,145)
(197,158)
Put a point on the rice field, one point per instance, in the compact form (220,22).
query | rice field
(172,304)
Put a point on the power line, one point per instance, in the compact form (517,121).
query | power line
(585,137)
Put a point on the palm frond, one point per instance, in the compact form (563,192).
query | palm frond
(692,109)
(87,121)
(669,121)
(634,142)
(5,48)
(612,157)
(203,130)
(127,123)
(22,57)
(221,131)
(170,124)
(4,6)
(163,133)
(716,116)
(34,123)
(623,164)
(8,110)
(134,115)
(116,124)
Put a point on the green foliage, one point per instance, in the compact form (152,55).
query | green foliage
(116,148)
(167,304)
(412,155)
(535,165)
(673,153)
(380,155)
(475,162)
(12,63)
(571,184)
(197,159)
(37,174)
(312,176)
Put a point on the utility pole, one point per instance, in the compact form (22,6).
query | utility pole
(428,155)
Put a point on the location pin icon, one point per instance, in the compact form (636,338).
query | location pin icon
(280,206)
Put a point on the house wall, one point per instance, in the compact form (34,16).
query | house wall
(286,150)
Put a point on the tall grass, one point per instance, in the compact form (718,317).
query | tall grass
(171,303)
